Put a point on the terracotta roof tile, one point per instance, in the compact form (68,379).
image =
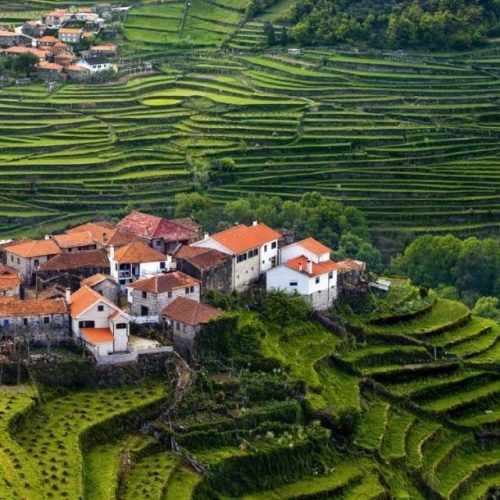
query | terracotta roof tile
(152,226)
(313,246)
(241,238)
(201,257)
(138,253)
(350,264)
(37,248)
(9,278)
(164,282)
(84,298)
(10,307)
(300,264)
(77,260)
(70,31)
(190,312)
(97,335)
(94,280)
(73,240)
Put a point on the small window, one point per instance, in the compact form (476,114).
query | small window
(19,261)
(100,308)
(121,326)
(144,295)
(46,320)
(187,290)
(12,258)
(144,311)
(330,275)
(6,322)
(184,328)
(86,324)
(265,248)
(191,289)
(317,279)
(25,321)
(169,295)
(273,245)
(293,283)
(162,265)
(158,243)
(36,262)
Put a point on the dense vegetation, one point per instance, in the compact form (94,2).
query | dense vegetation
(396,24)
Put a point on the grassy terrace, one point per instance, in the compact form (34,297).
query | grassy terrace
(382,133)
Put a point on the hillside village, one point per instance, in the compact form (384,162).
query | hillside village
(66,44)
(96,281)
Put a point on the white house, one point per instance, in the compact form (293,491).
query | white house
(306,269)
(70,35)
(95,64)
(254,250)
(136,260)
(98,323)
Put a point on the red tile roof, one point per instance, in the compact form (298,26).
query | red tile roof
(77,260)
(37,248)
(190,312)
(97,335)
(314,246)
(164,282)
(152,227)
(10,307)
(93,280)
(201,257)
(241,238)
(73,240)
(104,233)
(9,278)
(300,264)
(48,39)
(49,66)
(84,298)
(350,264)
(138,253)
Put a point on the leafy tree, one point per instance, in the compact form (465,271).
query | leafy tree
(283,308)
(195,205)
(487,307)
(270,34)
(199,170)
(25,63)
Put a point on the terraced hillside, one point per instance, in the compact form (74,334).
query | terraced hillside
(413,140)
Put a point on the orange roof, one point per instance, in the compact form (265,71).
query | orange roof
(75,67)
(104,232)
(70,31)
(85,298)
(240,238)
(37,248)
(102,48)
(9,278)
(8,33)
(23,50)
(48,39)
(93,280)
(164,282)
(313,246)
(11,307)
(97,335)
(137,252)
(350,264)
(300,264)
(50,66)
(190,312)
(73,240)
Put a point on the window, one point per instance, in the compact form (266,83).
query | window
(144,295)
(169,295)
(241,257)
(293,283)
(317,279)
(273,245)
(144,311)
(177,326)
(36,262)
(162,265)
(186,290)
(191,289)
(25,321)
(46,320)
(12,258)
(184,328)
(265,248)
(330,275)
(158,243)
(100,308)
(86,324)
(121,326)
(6,322)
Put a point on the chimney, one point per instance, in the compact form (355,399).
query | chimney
(254,223)
(300,266)
(206,236)
(68,296)
(47,236)
(104,237)
(111,252)
(309,267)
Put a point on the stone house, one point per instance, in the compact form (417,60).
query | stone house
(149,296)
(43,320)
(214,269)
(106,234)
(104,285)
(10,282)
(75,242)
(33,28)
(97,323)
(186,316)
(68,269)
(49,71)
(27,256)
(254,250)
(161,234)
(351,274)
(11,38)
(70,35)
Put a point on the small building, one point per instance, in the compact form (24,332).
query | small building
(10,282)
(95,64)
(98,324)
(47,41)
(27,256)
(49,71)
(68,269)
(351,275)
(107,50)
(149,296)
(56,18)
(11,38)
(306,269)
(103,285)
(162,234)
(33,28)
(214,269)
(43,320)
(136,260)
(75,242)
(76,72)
(254,250)
(40,54)
(70,35)
(186,316)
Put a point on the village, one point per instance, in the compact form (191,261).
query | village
(98,283)
(66,44)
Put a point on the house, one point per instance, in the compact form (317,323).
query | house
(10,282)
(106,234)
(214,269)
(56,18)
(76,72)
(60,48)
(306,269)
(104,285)
(162,234)
(47,41)
(75,242)
(68,269)
(351,274)
(149,296)
(44,320)
(107,50)
(11,38)
(97,323)
(254,250)
(95,64)
(49,71)
(33,28)
(186,316)
(136,260)
(40,54)
(70,35)
(27,256)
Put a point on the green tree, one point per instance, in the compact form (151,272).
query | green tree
(283,308)
(270,33)
(195,205)
(25,63)
(487,307)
